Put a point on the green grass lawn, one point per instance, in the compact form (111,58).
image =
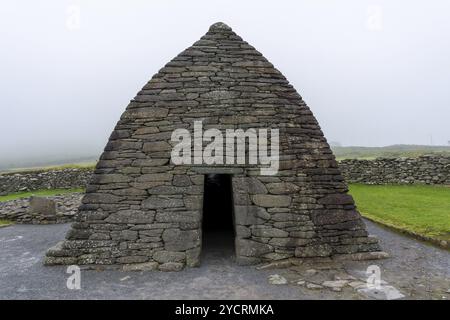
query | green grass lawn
(4,223)
(44,193)
(423,210)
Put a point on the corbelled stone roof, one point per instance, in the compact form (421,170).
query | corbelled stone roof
(141,208)
(219,70)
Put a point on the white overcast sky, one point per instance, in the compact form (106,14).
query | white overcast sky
(373,72)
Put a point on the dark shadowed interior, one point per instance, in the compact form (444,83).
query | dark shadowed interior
(217,225)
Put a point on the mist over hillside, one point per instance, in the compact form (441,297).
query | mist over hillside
(45,161)
(341,152)
(392,151)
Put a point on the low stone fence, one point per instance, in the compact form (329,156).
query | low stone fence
(48,179)
(431,169)
(62,208)
(422,170)
(41,210)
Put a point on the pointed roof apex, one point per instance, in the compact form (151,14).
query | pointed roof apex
(219,26)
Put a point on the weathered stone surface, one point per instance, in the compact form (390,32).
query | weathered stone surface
(313,286)
(268,201)
(44,179)
(137,113)
(320,250)
(156,146)
(131,216)
(335,217)
(146,266)
(289,242)
(155,202)
(57,250)
(175,190)
(302,234)
(110,178)
(285,216)
(249,185)
(141,208)
(151,177)
(51,261)
(98,198)
(278,256)
(361,256)
(153,162)
(193,257)
(19,210)
(132,259)
(181,181)
(43,206)
(249,215)
(243,232)
(150,232)
(179,240)
(277,279)
(251,248)
(220,95)
(265,231)
(128,235)
(282,188)
(193,202)
(78,234)
(335,285)
(427,169)
(337,199)
(171,266)
(169,256)
(178,216)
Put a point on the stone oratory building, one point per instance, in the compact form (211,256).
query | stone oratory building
(141,211)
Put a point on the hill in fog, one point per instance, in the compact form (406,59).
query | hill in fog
(349,152)
(393,151)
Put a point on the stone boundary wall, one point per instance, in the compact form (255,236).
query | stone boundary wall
(427,169)
(21,211)
(44,179)
(424,170)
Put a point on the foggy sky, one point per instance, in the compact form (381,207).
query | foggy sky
(373,72)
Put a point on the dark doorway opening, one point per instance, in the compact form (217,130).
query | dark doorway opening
(217,225)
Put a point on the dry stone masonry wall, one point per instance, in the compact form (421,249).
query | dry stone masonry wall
(432,169)
(41,210)
(48,179)
(143,212)
(429,169)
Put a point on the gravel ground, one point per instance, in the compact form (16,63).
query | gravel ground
(416,269)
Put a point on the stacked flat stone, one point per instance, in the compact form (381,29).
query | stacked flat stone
(21,210)
(44,179)
(427,169)
(142,211)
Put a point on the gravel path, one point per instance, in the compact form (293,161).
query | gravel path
(416,269)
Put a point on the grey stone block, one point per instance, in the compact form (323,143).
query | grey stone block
(180,240)
(171,266)
(43,206)
(169,256)
(268,201)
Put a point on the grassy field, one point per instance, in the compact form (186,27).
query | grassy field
(418,209)
(394,151)
(78,165)
(44,193)
(4,223)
